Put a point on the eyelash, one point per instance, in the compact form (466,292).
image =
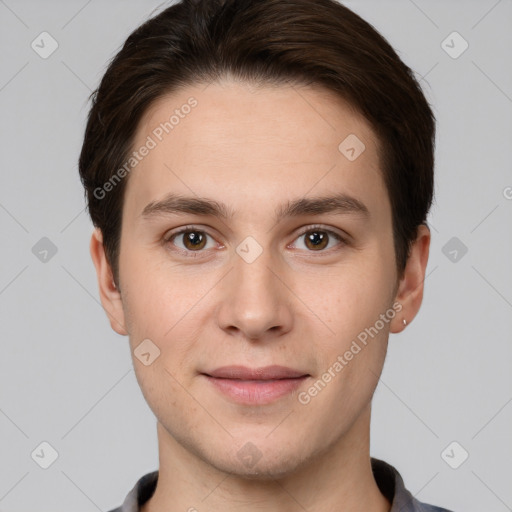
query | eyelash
(168,239)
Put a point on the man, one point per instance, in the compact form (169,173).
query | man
(259,173)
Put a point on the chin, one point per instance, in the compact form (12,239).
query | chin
(267,464)
(261,473)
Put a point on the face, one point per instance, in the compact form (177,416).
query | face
(283,278)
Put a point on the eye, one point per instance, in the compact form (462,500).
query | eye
(192,239)
(316,239)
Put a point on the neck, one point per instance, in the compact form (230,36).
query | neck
(339,478)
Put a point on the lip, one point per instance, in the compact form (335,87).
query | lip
(273,372)
(255,386)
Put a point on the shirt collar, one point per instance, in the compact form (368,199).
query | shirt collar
(388,479)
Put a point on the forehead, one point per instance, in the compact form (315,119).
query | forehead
(230,110)
(248,144)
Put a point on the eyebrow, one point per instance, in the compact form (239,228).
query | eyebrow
(173,204)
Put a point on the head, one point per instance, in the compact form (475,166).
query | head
(251,113)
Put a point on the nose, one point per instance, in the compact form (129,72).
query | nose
(255,302)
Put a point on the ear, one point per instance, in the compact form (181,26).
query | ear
(109,294)
(410,289)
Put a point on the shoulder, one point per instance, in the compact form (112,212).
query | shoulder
(425,507)
(139,494)
(392,486)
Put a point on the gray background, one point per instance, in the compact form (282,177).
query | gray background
(66,378)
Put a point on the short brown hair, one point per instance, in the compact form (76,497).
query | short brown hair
(309,42)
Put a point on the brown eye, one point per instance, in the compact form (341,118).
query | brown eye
(317,239)
(194,240)
(189,240)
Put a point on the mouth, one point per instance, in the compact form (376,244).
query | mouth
(255,386)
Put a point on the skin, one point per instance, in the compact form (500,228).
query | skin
(254,148)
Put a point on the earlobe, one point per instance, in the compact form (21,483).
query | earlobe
(400,321)
(109,295)
(410,289)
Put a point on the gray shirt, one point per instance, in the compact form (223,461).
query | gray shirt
(388,479)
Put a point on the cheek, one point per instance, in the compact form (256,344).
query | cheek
(164,305)
(353,356)
(355,298)
(153,294)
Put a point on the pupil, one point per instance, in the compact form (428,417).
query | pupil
(194,238)
(316,238)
